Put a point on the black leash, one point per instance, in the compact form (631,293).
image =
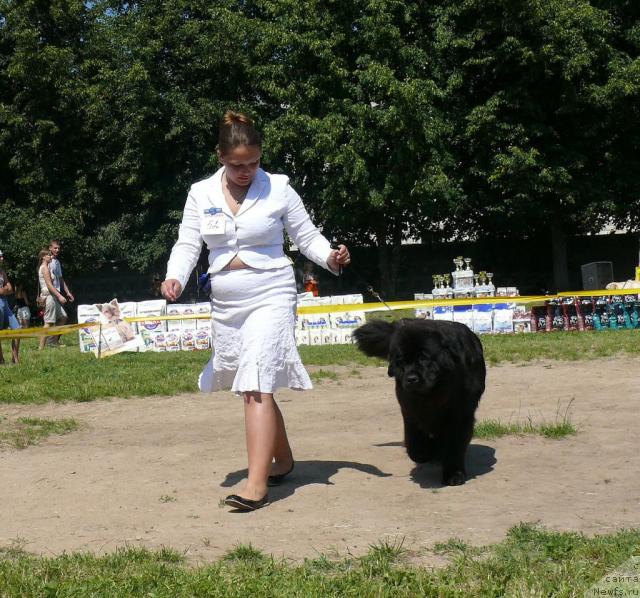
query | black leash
(368,286)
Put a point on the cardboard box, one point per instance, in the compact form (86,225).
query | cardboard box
(443,312)
(87,313)
(155,307)
(503,317)
(483,318)
(302,337)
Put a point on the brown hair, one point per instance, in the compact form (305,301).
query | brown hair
(237,129)
(42,254)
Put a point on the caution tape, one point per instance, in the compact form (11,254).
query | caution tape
(340,308)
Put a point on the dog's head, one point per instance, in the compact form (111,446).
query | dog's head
(418,352)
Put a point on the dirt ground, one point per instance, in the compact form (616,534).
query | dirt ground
(151,472)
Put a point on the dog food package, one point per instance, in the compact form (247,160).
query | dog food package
(348,319)
(424,313)
(203,309)
(483,318)
(521,319)
(188,340)
(148,309)
(174,309)
(302,337)
(315,336)
(202,338)
(503,317)
(315,321)
(352,299)
(327,336)
(572,321)
(304,296)
(337,299)
(154,340)
(347,336)
(128,310)
(323,300)
(310,302)
(463,314)
(337,338)
(87,313)
(188,309)
(172,341)
(443,312)
(539,318)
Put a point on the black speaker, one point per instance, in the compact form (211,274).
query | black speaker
(596,275)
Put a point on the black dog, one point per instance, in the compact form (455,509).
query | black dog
(440,374)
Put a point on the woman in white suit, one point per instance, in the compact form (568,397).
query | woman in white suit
(240,213)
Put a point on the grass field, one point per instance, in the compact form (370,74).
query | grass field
(65,374)
(529,562)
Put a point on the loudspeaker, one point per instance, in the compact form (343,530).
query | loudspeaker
(596,275)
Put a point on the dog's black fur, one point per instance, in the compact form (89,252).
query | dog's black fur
(440,376)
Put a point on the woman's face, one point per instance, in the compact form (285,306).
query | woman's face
(241,164)
(46,258)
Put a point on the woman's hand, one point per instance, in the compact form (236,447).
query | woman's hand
(171,289)
(338,258)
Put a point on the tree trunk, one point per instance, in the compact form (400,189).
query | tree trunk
(559,256)
(388,262)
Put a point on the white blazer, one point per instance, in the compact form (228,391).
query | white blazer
(254,234)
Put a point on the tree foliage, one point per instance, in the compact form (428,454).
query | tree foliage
(395,119)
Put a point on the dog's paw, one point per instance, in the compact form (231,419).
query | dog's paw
(457,478)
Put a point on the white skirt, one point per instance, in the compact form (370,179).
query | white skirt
(253,321)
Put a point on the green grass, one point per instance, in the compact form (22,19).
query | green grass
(321,375)
(492,428)
(530,562)
(65,374)
(27,431)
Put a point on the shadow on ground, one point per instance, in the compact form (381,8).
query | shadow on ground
(305,473)
(480,461)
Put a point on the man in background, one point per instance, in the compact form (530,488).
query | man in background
(55,268)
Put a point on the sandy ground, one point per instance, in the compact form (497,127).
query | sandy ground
(151,472)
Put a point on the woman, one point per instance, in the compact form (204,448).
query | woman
(53,311)
(240,213)
(7,319)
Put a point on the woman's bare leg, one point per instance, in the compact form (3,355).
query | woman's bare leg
(282,450)
(43,339)
(261,429)
(15,350)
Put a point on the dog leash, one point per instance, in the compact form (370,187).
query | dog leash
(367,284)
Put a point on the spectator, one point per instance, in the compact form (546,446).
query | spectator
(22,308)
(309,280)
(54,313)
(55,268)
(7,319)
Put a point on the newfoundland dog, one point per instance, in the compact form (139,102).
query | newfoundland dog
(440,373)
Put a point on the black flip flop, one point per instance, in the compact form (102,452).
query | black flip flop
(276,480)
(246,504)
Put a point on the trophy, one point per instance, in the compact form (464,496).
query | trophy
(467,261)
(491,290)
(458,261)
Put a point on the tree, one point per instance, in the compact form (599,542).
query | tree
(352,116)
(537,140)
